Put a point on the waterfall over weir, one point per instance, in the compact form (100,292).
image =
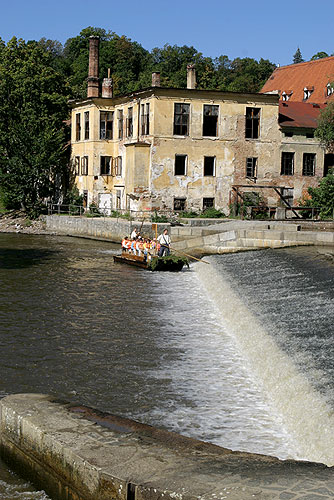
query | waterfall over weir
(278,308)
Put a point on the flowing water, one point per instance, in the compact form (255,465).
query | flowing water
(237,352)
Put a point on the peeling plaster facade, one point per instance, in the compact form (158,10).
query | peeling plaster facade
(147,178)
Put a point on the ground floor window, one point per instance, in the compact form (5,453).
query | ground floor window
(251,167)
(85,199)
(180,164)
(308,164)
(287,163)
(118,199)
(209,165)
(179,204)
(208,203)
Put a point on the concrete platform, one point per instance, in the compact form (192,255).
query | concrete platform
(76,453)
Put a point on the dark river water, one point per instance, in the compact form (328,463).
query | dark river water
(238,352)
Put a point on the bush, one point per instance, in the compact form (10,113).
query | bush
(188,215)
(323,197)
(212,213)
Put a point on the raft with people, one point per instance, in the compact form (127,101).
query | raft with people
(152,254)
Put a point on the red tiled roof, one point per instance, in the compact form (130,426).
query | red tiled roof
(299,114)
(296,77)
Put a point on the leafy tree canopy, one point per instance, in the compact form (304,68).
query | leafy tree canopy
(323,196)
(325,129)
(319,55)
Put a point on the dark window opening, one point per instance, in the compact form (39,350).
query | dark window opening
(328,163)
(181,119)
(208,203)
(77,127)
(288,134)
(180,164)
(179,204)
(252,123)
(84,165)
(106,124)
(120,124)
(310,135)
(287,163)
(209,165)
(210,120)
(251,167)
(85,199)
(145,119)
(106,165)
(308,164)
(129,123)
(86,115)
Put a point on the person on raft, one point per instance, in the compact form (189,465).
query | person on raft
(164,241)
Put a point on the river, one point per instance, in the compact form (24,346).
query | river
(232,352)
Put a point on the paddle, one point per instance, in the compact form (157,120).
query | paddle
(190,256)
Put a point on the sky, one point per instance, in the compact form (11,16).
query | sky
(271,30)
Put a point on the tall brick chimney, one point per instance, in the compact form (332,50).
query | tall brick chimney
(93,69)
(191,76)
(107,88)
(156,79)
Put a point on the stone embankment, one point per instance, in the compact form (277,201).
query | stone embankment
(76,453)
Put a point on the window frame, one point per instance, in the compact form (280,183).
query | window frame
(84,165)
(252,123)
(182,201)
(103,165)
(185,164)
(78,127)
(118,162)
(77,165)
(306,172)
(120,120)
(145,119)
(213,166)
(129,122)
(254,165)
(212,108)
(182,128)
(107,120)
(287,163)
(205,206)
(86,125)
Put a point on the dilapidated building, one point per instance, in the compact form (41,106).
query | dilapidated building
(181,149)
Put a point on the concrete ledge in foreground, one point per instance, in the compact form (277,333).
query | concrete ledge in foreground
(76,453)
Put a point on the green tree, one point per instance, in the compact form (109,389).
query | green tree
(33,107)
(325,128)
(298,58)
(323,196)
(319,55)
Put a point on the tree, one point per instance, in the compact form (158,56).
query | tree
(33,108)
(323,196)
(325,128)
(319,55)
(297,58)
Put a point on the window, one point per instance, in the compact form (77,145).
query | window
(210,120)
(288,134)
(310,135)
(180,164)
(307,93)
(106,124)
(329,89)
(84,165)
(145,119)
(77,127)
(252,123)
(208,203)
(129,123)
(179,204)
(86,117)
(251,167)
(308,163)
(120,124)
(118,199)
(209,165)
(181,119)
(77,165)
(287,163)
(118,166)
(106,165)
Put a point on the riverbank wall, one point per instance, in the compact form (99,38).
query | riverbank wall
(76,453)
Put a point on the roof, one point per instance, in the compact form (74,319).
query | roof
(294,78)
(299,114)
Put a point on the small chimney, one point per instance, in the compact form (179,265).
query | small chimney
(191,76)
(156,79)
(93,69)
(107,86)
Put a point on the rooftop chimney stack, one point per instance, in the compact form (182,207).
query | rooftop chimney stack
(93,69)
(107,89)
(156,79)
(191,76)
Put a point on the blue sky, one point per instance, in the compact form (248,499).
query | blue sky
(272,30)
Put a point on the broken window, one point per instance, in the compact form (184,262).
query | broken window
(209,165)
(252,123)
(106,124)
(208,203)
(129,123)
(181,119)
(180,164)
(118,166)
(179,204)
(84,165)
(120,124)
(287,163)
(308,164)
(145,119)
(251,167)
(210,120)
(106,165)
(86,119)
(77,165)
(77,127)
